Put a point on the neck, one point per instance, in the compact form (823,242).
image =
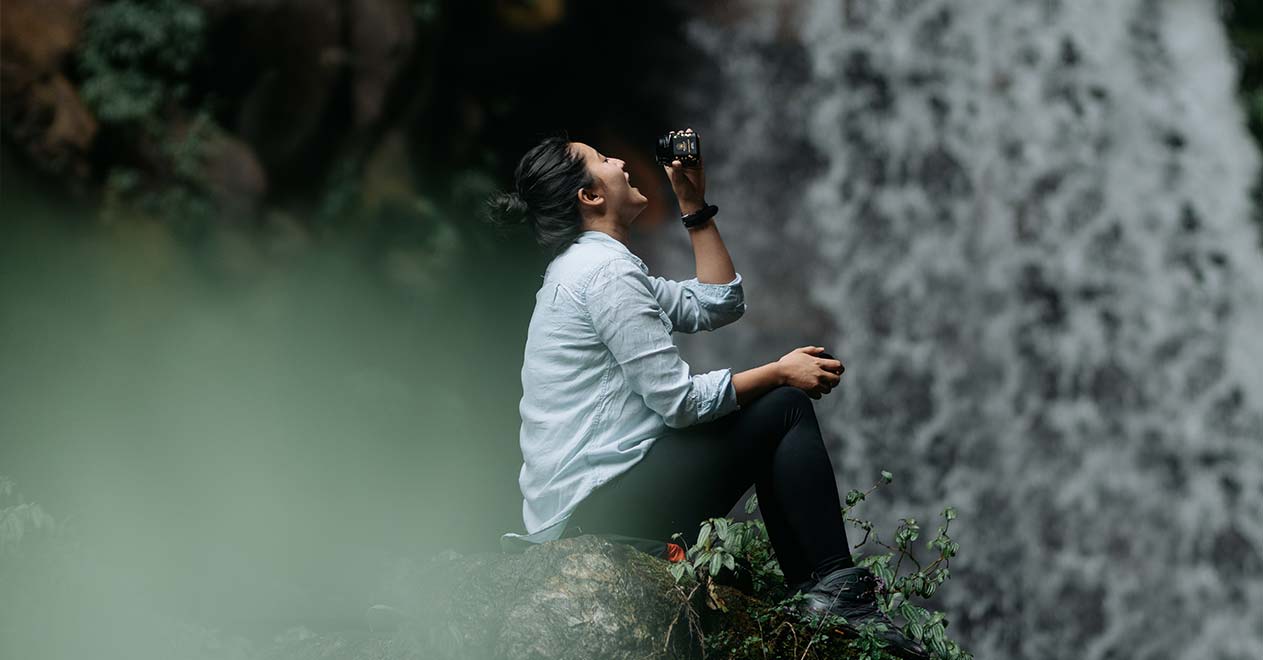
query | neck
(607,226)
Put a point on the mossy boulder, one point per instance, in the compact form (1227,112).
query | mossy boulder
(582,598)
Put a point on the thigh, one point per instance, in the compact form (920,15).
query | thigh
(687,476)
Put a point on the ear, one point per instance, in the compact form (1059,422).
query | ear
(590,198)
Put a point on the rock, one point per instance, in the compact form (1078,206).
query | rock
(290,57)
(577,598)
(290,65)
(381,38)
(43,114)
(582,597)
(234,176)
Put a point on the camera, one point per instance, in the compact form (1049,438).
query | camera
(684,146)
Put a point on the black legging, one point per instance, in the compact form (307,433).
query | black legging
(700,472)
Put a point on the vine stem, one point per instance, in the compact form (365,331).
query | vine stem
(687,604)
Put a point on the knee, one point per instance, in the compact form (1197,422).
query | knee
(789,406)
(789,397)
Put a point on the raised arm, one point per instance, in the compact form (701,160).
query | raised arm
(714,265)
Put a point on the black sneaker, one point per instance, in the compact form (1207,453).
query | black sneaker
(849,593)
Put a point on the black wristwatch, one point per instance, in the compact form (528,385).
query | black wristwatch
(699,217)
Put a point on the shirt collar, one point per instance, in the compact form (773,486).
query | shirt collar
(594,236)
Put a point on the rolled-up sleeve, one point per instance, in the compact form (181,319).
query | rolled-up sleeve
(694,306)
(627,318)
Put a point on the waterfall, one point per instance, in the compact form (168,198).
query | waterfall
(1024,226)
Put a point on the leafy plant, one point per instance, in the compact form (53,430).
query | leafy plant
(721,544)
(135,60)
(780,630)
(136,56)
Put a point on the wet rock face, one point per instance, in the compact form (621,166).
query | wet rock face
(1024,227)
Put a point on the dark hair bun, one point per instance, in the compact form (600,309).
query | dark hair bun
(552,173)
(507,210)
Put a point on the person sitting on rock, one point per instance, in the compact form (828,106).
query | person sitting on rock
(617,436)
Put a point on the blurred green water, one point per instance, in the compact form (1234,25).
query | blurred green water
(251,450)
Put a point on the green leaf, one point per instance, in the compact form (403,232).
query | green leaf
(919,614)
(721,528)
(853,496)
(704,535)
(887,476)
(906,611)
(715,562)
(752,503)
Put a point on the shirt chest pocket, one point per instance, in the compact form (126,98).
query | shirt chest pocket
(666,320)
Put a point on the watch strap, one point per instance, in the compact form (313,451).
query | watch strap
(699,217)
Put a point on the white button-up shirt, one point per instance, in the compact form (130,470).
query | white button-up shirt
(602,378)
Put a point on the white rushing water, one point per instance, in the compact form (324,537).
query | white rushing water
(1024,226)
